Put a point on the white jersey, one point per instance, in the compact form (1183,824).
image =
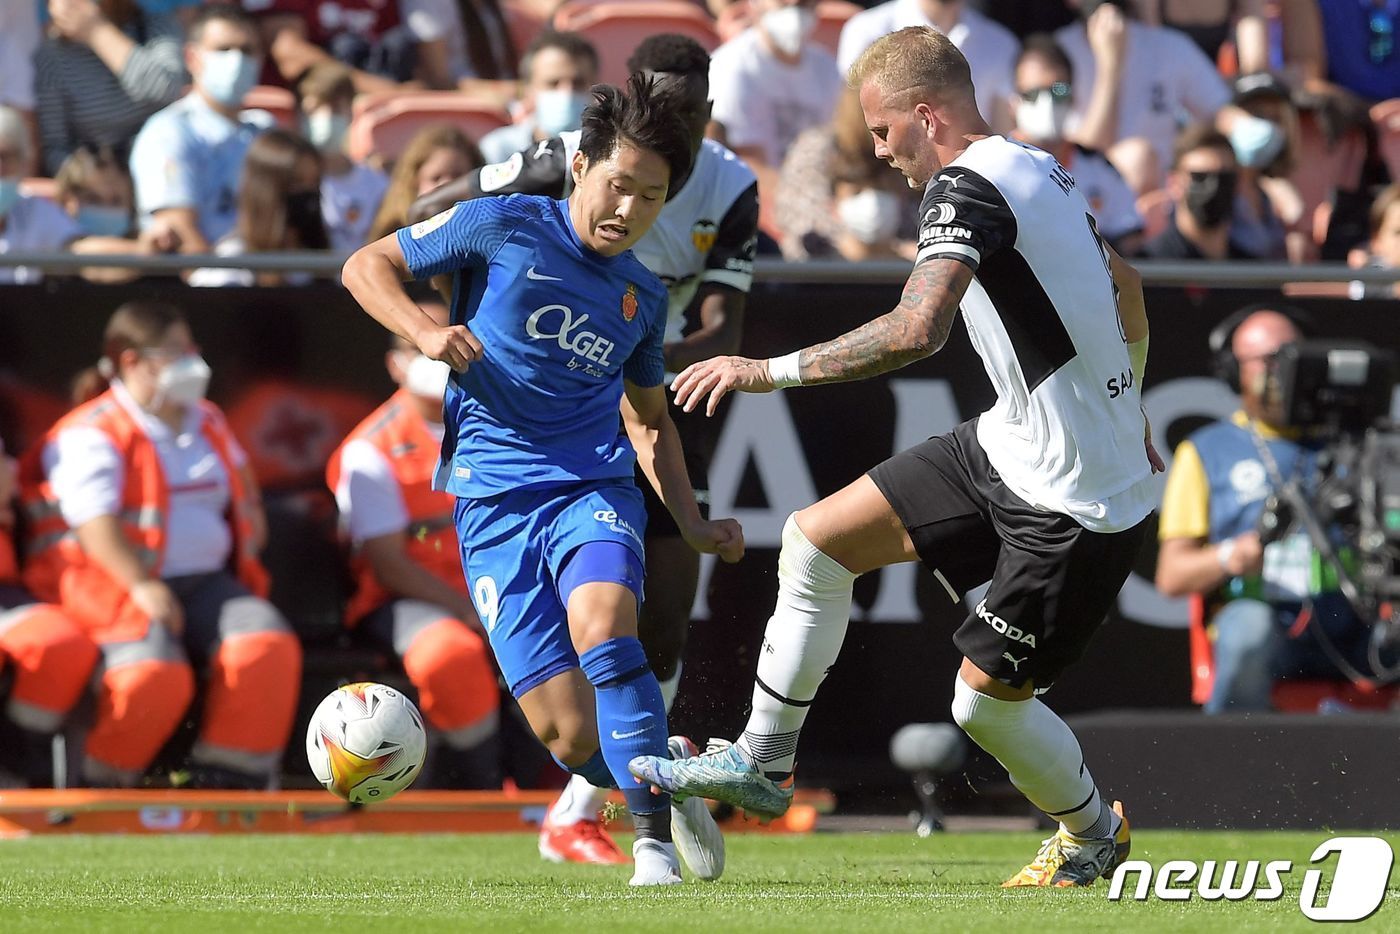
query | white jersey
(707,231)
(1066,432)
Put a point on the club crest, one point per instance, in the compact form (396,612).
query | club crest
(629,302)
(703,235)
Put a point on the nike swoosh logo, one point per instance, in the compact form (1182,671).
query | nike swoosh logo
(617,735)
(540,277)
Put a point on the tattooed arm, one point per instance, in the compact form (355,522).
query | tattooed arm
(917,327)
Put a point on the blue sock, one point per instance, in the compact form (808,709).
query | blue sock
(594,771)
(631,717)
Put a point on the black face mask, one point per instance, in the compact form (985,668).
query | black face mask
(304,216)
(1210,197)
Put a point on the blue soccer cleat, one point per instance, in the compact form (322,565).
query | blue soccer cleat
(720,773)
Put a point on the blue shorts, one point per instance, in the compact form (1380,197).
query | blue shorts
(514,547)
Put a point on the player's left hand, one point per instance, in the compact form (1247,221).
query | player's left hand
(1153,458)
(715,377)
(723,537)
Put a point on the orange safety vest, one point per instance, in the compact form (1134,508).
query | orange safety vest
(57,569)
(400,434)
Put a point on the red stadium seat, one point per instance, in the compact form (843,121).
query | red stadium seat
(523,24)
(384,128)
(617,28)
(279,102)
(831,19)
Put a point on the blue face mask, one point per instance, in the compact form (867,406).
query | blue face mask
(559,110)
(101,220)
(9,195)
(228,76)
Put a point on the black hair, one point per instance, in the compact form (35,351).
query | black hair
(647,116)
(571,44)
(228,12)
(1043,44)
(672,54)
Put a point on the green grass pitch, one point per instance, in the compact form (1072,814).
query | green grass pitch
(487,884)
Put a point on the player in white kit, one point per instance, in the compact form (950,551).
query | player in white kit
(1046,494)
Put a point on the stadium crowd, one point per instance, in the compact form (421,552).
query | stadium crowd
(1198,129)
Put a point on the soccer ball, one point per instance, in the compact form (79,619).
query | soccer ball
(366,742)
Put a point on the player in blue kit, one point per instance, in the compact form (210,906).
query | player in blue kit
(555,325)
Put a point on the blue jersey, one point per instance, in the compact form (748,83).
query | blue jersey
(561,326)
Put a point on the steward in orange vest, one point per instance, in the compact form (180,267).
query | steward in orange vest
(411,593)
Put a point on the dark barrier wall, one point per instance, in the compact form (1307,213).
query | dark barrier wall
(296,368)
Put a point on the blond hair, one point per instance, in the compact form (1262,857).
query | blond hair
(916,58)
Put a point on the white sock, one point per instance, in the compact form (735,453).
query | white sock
(671,686)
(800,645)
(1039,752)
(577,802)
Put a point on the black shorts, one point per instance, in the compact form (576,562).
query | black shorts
(1052,580)
(698,436)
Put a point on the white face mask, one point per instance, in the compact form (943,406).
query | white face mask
(228,75)
(872,216)
(1044,119)
(326,130)
(184,381)
(426,378)
(789,27)
(558,110)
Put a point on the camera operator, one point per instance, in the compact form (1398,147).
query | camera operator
(1265,602)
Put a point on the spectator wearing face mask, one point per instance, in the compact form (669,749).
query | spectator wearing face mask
(279,208)
(350,191)
(770,83)
(834,193)
(1045,89)
(990,49)
(31,224)
(1267,203)
(556,72)
(434,157)
(94,190)
(1203,180)
(186,160)
(146,528)
(104,68)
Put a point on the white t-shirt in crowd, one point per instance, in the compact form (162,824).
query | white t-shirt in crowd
(989,47)
(1169,83)
(505,141)
(349,203)
(368,495)
(34,225)
(764,103)
(86,473)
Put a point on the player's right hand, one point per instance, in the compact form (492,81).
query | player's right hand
(453,344)
(715,377)
(159,603)
(723,537)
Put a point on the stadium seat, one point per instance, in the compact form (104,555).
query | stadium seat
(1300,696)
(831,19)
(617,28)
(522,23)
(279,102)
(384,127)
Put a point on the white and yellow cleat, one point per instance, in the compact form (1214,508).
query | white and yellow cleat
(656,863)
(1065,860)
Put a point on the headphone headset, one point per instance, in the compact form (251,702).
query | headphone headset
(1223,363)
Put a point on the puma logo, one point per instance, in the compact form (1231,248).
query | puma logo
(1015,662)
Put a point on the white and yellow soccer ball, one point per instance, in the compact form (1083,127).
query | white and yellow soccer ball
(366,742)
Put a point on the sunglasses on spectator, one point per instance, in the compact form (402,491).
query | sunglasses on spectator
(1059,91)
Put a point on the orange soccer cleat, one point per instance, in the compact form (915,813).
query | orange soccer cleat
(583,841)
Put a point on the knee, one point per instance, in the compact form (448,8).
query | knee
(448,664)
(1244,627)
(273,654)
(147,690)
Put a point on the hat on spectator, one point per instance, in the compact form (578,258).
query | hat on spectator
(1260,84)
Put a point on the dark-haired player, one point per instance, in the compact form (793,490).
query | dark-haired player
(702,246)
(554,325)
